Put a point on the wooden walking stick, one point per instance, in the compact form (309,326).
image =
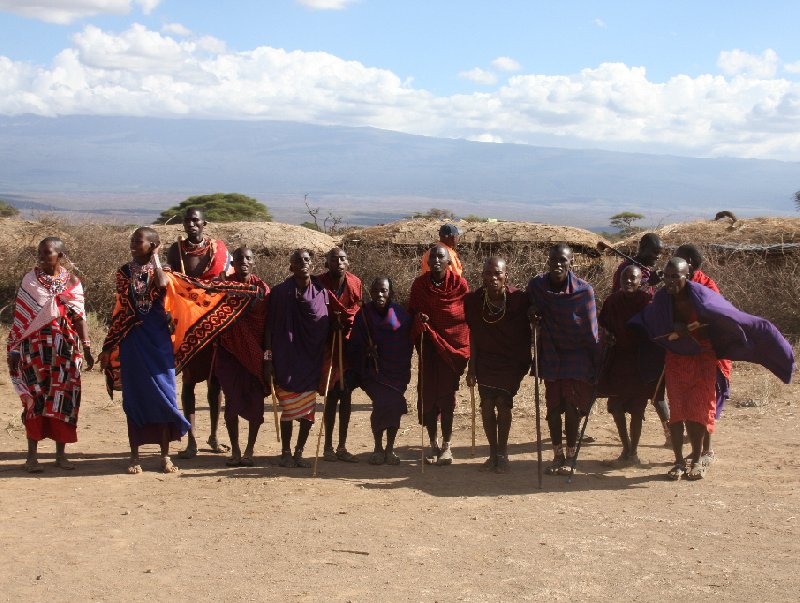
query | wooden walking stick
(472,396)
(180,253)
(536,397)
(341,361)
(324,398)
(580,439)
(658,386)
(421,405)
(275,409)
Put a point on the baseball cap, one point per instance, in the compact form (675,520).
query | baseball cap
(448,230)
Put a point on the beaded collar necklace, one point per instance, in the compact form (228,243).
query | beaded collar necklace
(140,285)
(493,313)
(54,284)
(200,248)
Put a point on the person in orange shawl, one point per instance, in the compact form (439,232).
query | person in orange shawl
(448,236)
(441,336)
(240,363)
(160,322)
(199,256)
(694,258)
(345,294)
(44,359)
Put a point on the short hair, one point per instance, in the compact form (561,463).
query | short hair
(332,249)
(240,250)
(560,248)
(650,240)
(150,233)
(55,242)
(195,209)
(493,259)
(383,277)
(295,255)
(691,254)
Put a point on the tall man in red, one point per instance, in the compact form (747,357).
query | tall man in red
(201,257)
(344,291)
(442,338)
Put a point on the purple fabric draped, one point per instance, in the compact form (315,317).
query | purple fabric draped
(735,335)
(299,325)
(391,334)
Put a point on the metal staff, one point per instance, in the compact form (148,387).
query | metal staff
(421,406)
(601,246)
(540,470)
(472,396)
(324,398)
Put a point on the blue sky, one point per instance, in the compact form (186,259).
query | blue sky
(689,78)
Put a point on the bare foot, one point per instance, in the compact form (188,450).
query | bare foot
(134,467)
(61,461)
(33,466)
(216,446)
(167,466)
(189,453)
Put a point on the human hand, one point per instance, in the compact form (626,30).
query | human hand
(423,318)
(88,358)
(104,359)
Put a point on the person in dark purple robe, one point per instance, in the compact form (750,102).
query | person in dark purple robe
(298,327)
(500,354)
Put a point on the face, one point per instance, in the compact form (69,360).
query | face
(243,262)
(336,262)
(49,254)
(449,240)
(193,223)
(631,279)
(141,246)
(438,260)
(559,263)
(494,275)
(381,293)
(650,255)
(675,278)
(300,265)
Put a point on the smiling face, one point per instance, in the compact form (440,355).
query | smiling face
(494,275)
(243,262)
(631,279)
(559,263)
(439,261)
(193,223)
(142,246)
(381,293)
(336,262)
(676,273)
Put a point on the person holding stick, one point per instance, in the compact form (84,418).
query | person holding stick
(380,358)
(298,327)
(242,363)
(630,373)
(500,354)
(344,292)
(437,304)
(202,257)
(563,307)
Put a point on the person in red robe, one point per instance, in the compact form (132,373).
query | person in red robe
(199,256)
(441,336)
(500,354)
(344,291)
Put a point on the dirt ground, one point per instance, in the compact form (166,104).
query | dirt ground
(364,533)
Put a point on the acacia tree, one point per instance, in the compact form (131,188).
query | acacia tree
(624,220)
(220,207)
(436,213)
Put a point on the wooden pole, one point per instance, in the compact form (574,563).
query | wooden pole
(472,396)
(275,409)
(540,470)
(421,405)
(324,398)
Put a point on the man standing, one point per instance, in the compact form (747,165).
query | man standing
(298,328)
(344,292)
(200,257)
(500,354)
(442,338)
(563,307)
(628,378)
(696,327)
(448,236)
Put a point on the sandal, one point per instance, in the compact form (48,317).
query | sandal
(234,461)
(299,461)
(433,457)
(329,455)
(345,456)
(247,461)
(568,468)
(189,453)
(287,460)
(556,465)
(503,465)
(696,472)
(216,446)
(167,466)
(33,467)
(64,463)
(708,458)
(391,458)
(677,472)
(134,468)
(489,464)
(377,458)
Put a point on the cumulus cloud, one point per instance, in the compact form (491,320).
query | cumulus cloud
(739,62)
(326,4)
(612,106)
(177,29)
(506,64)
(479,76)
(792,67)
(64,12)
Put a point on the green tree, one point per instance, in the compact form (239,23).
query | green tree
(311,226)
(7,210)
(474,218)
(220,207)
(435,212)
(624,222)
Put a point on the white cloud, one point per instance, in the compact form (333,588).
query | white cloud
(792,67)
(600,23)
(326,4)
(611,106)
(506,64)
(479,76)
(739,62)
(64,12)
(177,29)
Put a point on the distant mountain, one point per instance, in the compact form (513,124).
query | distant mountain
(118,165)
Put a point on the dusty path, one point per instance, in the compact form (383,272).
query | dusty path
(364,533)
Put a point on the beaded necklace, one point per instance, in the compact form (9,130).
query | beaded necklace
(492,313)
(56,283)
(198,249)
(140,285)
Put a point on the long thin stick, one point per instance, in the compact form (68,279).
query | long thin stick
(275,410)
(658,385)
(472,396)
(580,440)
(180,253)
(421,404)
(536,396)
(324,398)
(605,247)
(341,361)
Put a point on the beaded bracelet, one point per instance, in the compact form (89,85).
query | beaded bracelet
(267,354)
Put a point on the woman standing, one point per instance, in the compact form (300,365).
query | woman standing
(44,358)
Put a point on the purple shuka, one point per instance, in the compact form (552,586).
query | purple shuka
(299,324)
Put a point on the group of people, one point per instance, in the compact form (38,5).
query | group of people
(207,316)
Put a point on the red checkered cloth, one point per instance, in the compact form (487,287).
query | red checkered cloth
(245,337)
(347,302)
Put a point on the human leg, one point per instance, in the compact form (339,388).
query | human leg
(489,420)
(286,440)
(32,460)
(329,416)
(252,435)
(214,395)
(189,404)
(232,425)
(61,457)
(133,465)
(446,457)
(166,462)
(302,438)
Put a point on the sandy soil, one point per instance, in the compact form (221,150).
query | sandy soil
(361,533)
